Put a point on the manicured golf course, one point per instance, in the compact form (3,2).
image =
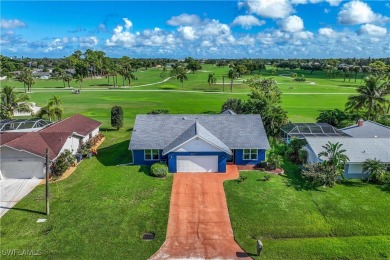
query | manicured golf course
(102,210)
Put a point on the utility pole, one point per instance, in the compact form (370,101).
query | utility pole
(47,182)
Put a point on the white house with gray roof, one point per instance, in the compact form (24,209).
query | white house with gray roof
(357,149)
(198,143)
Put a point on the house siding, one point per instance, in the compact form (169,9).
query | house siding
(172,166)
(239,159)
(354,170)
(139,159)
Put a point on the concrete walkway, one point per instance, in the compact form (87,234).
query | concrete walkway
(13,190)
(199,224)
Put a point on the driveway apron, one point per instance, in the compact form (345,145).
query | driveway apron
(199,224)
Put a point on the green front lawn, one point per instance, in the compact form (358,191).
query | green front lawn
(349,221)
(99,212)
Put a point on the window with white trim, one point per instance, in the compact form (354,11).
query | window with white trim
(250,154)
(151,154)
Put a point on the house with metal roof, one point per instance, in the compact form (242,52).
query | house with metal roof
(357,149)
(198,143)
(367,129)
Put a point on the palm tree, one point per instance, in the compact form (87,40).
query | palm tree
(67,78)
(375,169)
(52,109)
(27,79)
(335,157)
(212,79)
(356,69)
(79,79)
(10,102)
(371,97)
(232,74)
(163,73)
(129,76)
(181,74)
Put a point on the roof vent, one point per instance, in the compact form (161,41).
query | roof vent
(183,118)
(360,122)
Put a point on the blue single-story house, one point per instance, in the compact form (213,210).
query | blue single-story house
(198,143)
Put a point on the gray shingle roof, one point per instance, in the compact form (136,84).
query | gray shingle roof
(357,149)
(197,130)
(235,131)
(369,129)
(228,112)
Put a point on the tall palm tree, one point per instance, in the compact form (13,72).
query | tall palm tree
(79,79)
(27,79)
(212,79)
(129,75)
(232,74)
(356,69)
(181,74)
(67,78)
(10,102)
(371,97)
(53,109)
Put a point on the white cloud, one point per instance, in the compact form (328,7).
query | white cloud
(328,32)
(128,23)
(326,10)
(56,44)
(187,32)
(330,2)
(304,35)
(356,12)
(372,30)
(88,42)
(184,19)
(247,21)
(215,28)
(122,37)
(155,37)
(292,23)
(11,24)
(269,8)
(334,2)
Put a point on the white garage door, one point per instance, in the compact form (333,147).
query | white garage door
(27,169)
(197,163)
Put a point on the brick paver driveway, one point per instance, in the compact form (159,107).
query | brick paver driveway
(199,224)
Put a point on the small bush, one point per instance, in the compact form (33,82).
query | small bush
(262,164)
(63,162)
(320,174)
(241,179)
(266,177)
(274,161)
(159,170)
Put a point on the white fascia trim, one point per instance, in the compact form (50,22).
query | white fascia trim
(197,136)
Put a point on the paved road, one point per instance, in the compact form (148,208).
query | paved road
(13,190)
(199,225)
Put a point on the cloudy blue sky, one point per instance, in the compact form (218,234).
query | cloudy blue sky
(201,29)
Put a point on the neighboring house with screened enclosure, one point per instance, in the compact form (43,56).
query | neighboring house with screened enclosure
(303,130)
(198,143)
